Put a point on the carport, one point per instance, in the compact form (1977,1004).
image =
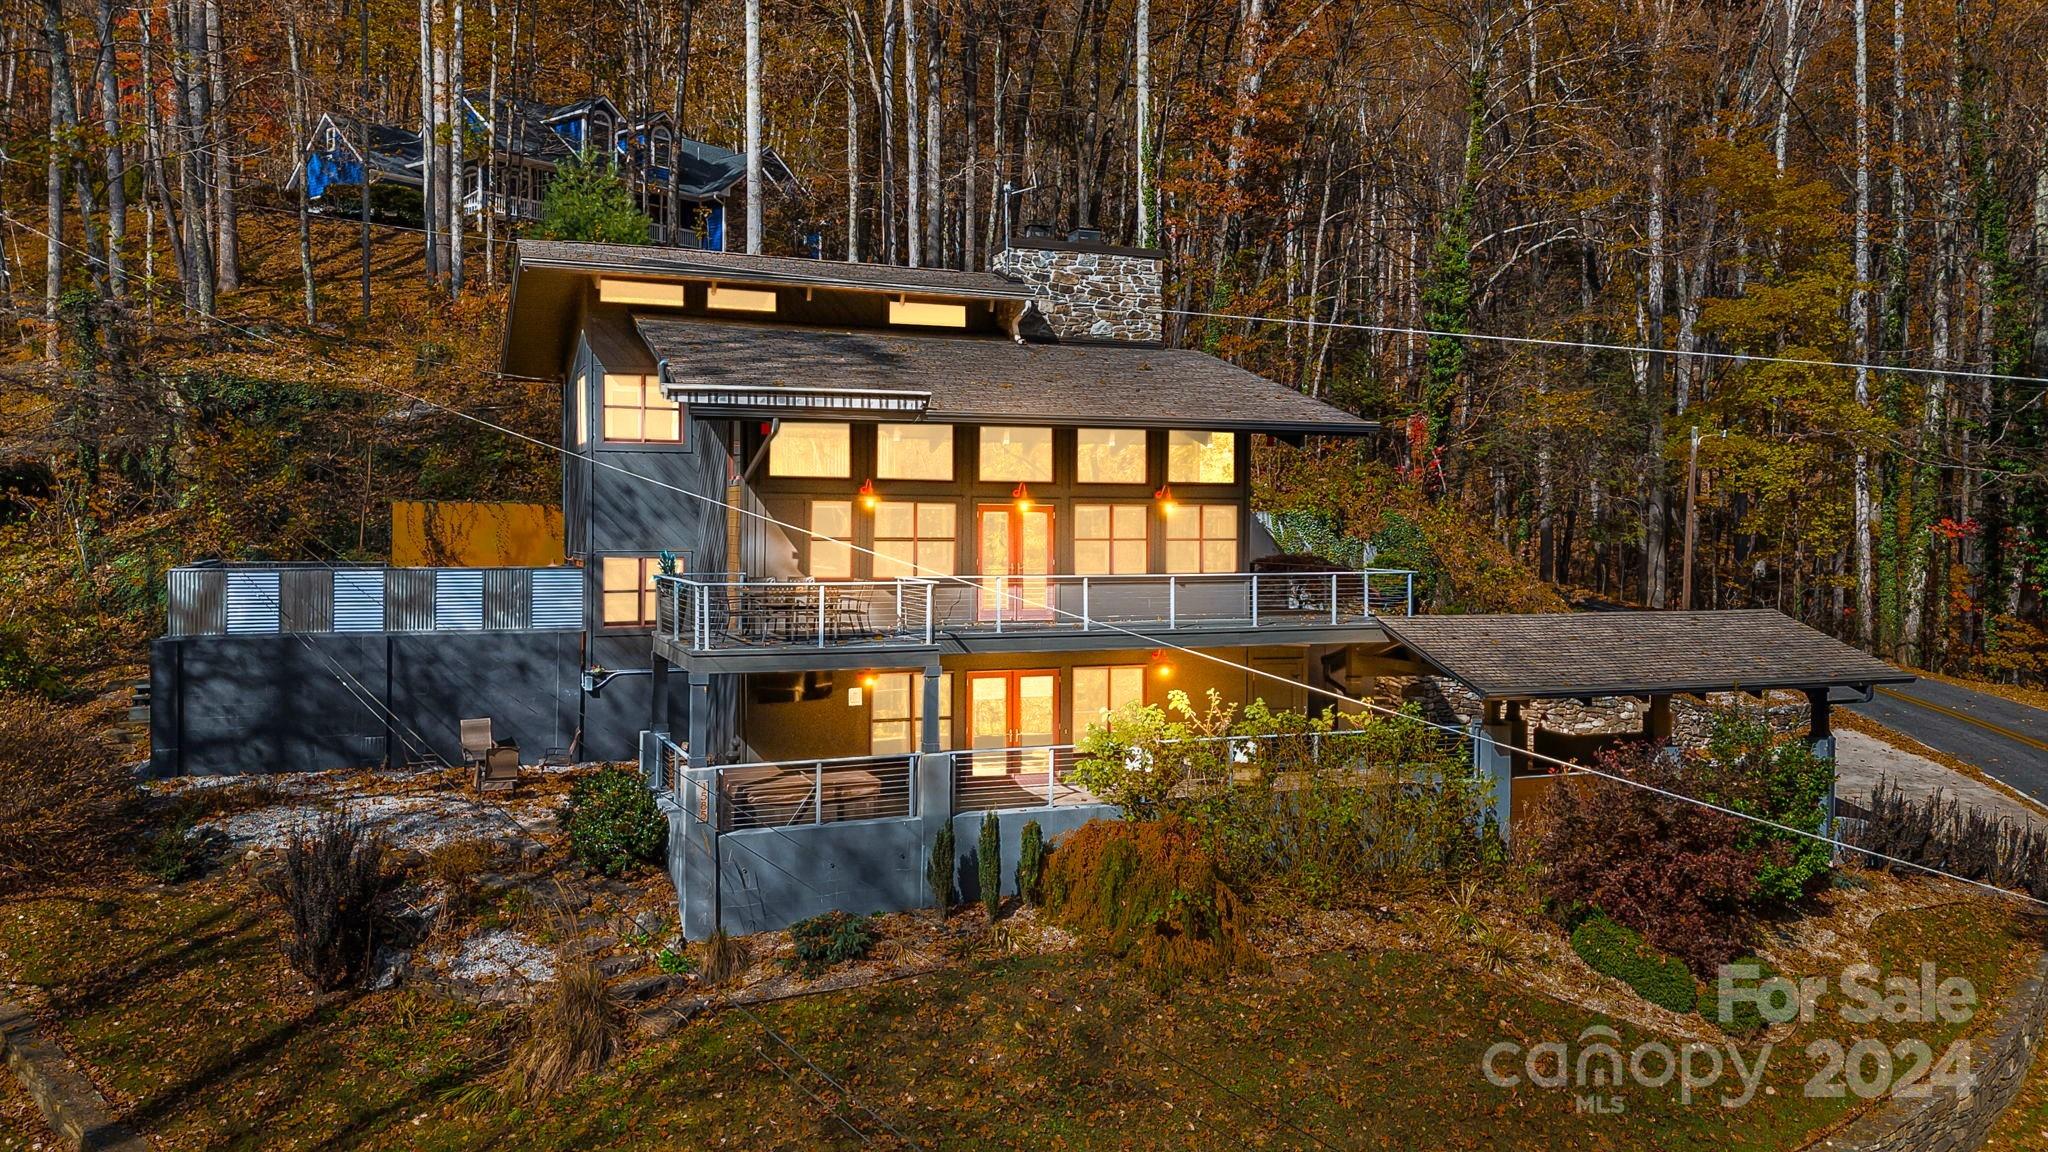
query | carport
(1509,661)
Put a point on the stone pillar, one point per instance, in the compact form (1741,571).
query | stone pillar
(1657,723)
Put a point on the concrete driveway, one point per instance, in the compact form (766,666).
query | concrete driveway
(2006,740)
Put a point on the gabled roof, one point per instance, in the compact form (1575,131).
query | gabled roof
(769,369)
(1559,655)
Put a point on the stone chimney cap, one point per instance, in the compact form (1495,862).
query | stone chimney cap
(1029,242)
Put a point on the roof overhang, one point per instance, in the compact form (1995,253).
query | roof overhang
(772,402)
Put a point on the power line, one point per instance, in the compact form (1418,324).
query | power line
(1599,346)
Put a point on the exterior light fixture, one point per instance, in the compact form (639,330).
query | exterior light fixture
(1161,666)
(868,680)
(1165,497)
(868,496)
(1022,495)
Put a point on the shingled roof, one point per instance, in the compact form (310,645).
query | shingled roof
(981,379)
(1634,653)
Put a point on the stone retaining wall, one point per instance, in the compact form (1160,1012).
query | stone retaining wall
(1945,1120)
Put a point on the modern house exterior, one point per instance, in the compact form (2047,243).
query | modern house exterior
(685,186)
(850,551)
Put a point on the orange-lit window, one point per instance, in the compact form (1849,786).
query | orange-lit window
(831,544)
(1016,454)
(1201,538)
(1099,692)
(1110,539)
(801,449)
(896,713)
(629,592)
(914,539)
(1109,456)
(635,412)
(914,451)
(1201,457)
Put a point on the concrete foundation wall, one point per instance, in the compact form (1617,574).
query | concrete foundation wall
(770,878)
(1052,822)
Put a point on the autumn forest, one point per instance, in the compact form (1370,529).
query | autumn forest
(1708,305)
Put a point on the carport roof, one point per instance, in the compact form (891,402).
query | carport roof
(1558,655)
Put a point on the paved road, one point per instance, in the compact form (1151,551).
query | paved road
(2008,741)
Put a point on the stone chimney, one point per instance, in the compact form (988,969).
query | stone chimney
(1086,289)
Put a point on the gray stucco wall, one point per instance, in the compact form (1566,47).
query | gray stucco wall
(1052,822)
(229,704)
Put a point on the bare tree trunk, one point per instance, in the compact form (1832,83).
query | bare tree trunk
(228,252)
(887,97)
(1788,70)
(852,159)
(429,134)
(753,32)
(487,165)
(117,165)
(970,98)
(1859,323)
(53,218)
(676,109)
(913,130)
(302,144)
(934,185)
(153,164)
(457,124)
(1656,560)
(1141,143)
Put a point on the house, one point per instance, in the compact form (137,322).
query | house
(685,186)
(850,550)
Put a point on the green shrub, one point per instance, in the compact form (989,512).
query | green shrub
(988,853)
(1613,950)
(176,853)
(1030,863)
(673,963)
(613,823)
(938,871)
(829,939)
(1151,894)
(1745,1019)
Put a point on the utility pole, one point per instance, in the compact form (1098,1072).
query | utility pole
(1692,490)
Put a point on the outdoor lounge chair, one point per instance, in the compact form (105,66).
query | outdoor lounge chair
(499,769)
(476,740)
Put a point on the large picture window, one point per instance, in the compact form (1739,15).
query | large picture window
(1009,453)
(1110,539)
(628,590)
(811,450)
(896,713)
(914,539)
(635,412)
(1201,538)
(832,542)
(1099,692)
(1201,457)
(914,451)
(1109,456)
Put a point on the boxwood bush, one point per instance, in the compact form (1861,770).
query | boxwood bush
(1613,950)
(613,823)
(832,938)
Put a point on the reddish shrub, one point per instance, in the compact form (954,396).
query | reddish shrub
(1152,895)
(1675,872)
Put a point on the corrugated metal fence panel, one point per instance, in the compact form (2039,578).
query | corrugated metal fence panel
(409,600)
(506,591)
(252,599)
(198,603)
(458,599)
(307,600)
(359,600)
(557,598)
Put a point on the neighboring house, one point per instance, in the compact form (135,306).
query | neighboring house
(911,513)
(523,141)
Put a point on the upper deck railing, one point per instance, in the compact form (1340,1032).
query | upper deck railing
(728,613)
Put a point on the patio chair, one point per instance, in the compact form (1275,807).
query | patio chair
(476,740)
(498,771)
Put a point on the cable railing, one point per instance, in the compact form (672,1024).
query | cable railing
(714,613)
(791,793)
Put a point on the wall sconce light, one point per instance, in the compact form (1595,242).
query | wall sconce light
(1165,497)
(868,680)
(1022,495)
(868,496)
(1161,666)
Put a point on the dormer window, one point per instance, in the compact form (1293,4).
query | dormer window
(600,129)
(664,149)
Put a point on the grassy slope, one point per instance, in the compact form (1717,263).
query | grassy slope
(181,1004)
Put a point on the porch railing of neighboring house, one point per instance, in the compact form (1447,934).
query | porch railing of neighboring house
(270,599)
(710,614)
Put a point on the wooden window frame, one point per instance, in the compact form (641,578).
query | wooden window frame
(916,717)
(645,406)
(1198,513)
(1110,509)
(769,448)
(649,568)
(1171,478)
(916,539)
(1081,723)
(820,537)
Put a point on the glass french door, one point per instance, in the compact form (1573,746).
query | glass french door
(1016,556)
(1012,719)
